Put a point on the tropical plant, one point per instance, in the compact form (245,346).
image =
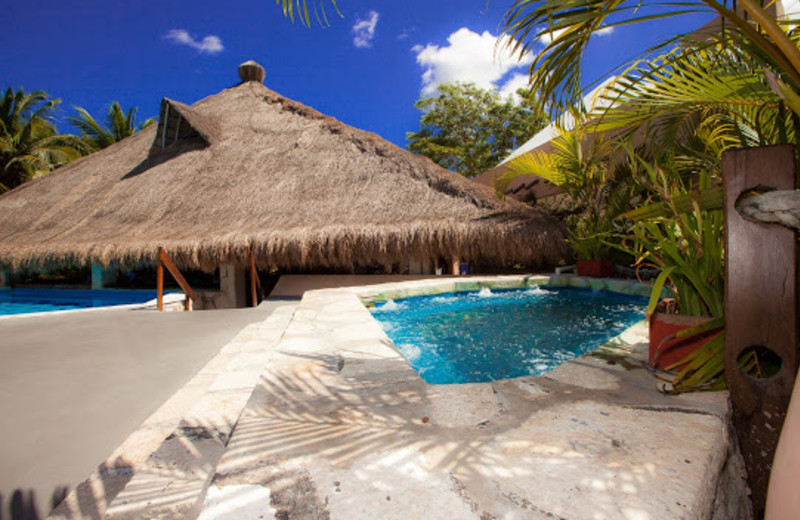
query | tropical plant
(674,234)
(694,97)
(568,26)
(685,243)
(580,163)
(681,109)
(29,143)
(119,126)
(468,129)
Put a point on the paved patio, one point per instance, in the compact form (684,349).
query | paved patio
(337,425)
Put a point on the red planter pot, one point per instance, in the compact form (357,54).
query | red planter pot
(669,349)
(595,268)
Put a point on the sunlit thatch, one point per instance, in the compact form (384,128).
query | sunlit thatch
(248,168)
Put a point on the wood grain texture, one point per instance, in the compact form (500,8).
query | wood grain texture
(760,306)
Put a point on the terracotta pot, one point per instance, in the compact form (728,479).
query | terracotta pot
(669,349)
(595,268)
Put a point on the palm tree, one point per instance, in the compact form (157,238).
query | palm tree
(120,126)
(29,144)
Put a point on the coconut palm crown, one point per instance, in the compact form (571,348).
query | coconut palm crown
(120,125)
(29,143)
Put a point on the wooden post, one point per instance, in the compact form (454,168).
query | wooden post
(253,279)
(160,281)
(456,265)
(760,308)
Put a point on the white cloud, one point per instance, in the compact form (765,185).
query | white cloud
(210,44)
(548,37)
(603,31)
(364,30)
(515,82)
(470,57)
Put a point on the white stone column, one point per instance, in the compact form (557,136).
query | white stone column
(233,284)
(456,263)
(103,276)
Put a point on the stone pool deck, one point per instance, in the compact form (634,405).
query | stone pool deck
(339,426)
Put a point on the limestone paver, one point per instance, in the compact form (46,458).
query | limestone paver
(341,427)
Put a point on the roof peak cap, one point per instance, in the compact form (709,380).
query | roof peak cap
(251,71)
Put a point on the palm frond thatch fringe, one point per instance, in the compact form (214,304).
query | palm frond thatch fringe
(295,186)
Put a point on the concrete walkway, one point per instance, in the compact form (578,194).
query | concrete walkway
(74,386)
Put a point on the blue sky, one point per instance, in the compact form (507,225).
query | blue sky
(366,68)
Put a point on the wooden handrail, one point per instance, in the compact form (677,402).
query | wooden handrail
(165,261)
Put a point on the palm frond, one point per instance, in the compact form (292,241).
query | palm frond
(569,24)
(92,131)
(299,9)
(678,84)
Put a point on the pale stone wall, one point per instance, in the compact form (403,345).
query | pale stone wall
(232,283)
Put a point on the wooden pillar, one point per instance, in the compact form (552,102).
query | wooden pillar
(5,278)
(160,280)
(760,308)
(253,280)
(456,265)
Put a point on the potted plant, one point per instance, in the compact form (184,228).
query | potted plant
(588,238)
(681,233)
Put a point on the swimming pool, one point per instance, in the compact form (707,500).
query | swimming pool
(26,301)
(497,334)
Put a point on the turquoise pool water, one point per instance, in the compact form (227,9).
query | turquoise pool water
(489,335)
(25,301)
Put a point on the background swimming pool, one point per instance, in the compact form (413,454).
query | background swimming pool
(25,301)
(485,336)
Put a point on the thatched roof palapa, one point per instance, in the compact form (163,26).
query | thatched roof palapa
(250,169)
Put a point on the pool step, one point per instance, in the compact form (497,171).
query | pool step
(173,478)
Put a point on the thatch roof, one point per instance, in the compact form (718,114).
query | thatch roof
(248,168)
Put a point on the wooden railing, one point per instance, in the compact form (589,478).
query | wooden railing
(165,261)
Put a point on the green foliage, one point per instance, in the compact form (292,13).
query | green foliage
(29,144)
(469,130)
(119,126)
(697,102)
(581,165)
(686,244)
(680,110)
(679,232)
(556,68)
